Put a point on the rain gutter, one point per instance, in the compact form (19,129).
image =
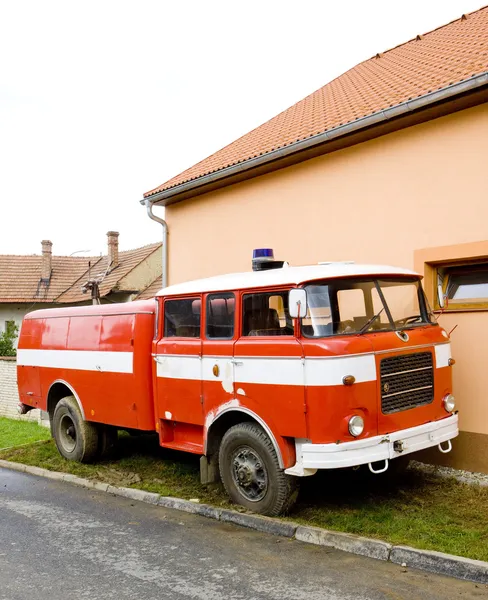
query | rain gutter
(164,197)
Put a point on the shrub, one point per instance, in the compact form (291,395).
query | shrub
(7,340)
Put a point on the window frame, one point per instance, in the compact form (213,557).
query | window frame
(443,274)
(283,292)
(187,299)
(208,298)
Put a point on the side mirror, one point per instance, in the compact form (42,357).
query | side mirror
(297,303)
(440,296)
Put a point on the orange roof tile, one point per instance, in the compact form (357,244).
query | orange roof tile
(20,277)
(448,55)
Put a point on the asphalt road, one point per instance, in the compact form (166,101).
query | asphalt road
(60,541)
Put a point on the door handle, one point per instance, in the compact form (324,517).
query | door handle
(237,363)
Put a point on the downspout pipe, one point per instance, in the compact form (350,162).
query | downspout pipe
(151,215)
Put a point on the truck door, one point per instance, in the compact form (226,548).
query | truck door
(178,358)
(268,362)
(218,348)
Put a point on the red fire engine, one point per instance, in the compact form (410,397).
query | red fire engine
(269,375)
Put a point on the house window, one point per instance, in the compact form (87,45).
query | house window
(464,287)
(182,318)
(220,316)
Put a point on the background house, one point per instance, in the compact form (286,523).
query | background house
(385,164)
(31,282)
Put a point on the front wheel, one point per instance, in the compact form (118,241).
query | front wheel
(251,474)
(75,438)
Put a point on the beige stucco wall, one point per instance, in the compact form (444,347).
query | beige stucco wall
(379,201)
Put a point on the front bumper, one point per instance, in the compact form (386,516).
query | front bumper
(311,457)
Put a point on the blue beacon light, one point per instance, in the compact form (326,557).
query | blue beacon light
(261,254)
(263,260)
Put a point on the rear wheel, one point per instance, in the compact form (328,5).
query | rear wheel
(251,474)
(75,438)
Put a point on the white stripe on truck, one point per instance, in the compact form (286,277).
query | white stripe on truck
(82,360)
(270,371)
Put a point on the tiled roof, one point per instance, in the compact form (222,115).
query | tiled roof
(127,261)
(20,276)
(448,55)
(151,290)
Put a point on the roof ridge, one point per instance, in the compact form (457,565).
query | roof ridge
(78,258)
(422,35)
(155,244)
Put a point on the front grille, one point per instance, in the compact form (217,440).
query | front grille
(406,382)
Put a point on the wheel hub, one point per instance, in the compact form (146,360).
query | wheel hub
(67,433)
(249,474)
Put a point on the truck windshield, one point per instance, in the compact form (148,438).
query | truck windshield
(358,306)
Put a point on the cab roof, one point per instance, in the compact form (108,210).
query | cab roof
(285,276)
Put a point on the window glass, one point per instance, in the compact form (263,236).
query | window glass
(266,314)
(351,304)
(467,284)
(348,306)
(182,318)
(220,316)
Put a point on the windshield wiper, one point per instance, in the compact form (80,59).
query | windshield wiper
(370,322)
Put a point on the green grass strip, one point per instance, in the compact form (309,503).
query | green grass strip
(15,432)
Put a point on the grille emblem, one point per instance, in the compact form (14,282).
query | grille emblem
(386,388)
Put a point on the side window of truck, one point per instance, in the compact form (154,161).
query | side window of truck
(220,316)
(182,318)
(266,314)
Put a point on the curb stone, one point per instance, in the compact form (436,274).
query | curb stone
(266,524)
(426,560)
(190,507)
(345,541)
(438,562)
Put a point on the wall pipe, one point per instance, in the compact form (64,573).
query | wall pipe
(152,216)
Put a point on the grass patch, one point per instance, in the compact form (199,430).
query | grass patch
(14,432)
(415,509)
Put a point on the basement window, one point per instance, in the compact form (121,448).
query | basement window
(465,287)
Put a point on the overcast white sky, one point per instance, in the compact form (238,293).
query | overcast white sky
(103,100)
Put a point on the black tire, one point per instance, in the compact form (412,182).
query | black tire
(251,474)
(107,441)
(75,438)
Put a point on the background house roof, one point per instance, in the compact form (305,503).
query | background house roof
(151,290)
(128,260)
(448,55)
(20,276)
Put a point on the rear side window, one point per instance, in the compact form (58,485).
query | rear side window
(220,316)
(182,318)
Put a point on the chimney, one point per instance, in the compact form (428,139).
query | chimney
(46,265)
(113,249)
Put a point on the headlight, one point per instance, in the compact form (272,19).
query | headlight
(356,425)
(449,402)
